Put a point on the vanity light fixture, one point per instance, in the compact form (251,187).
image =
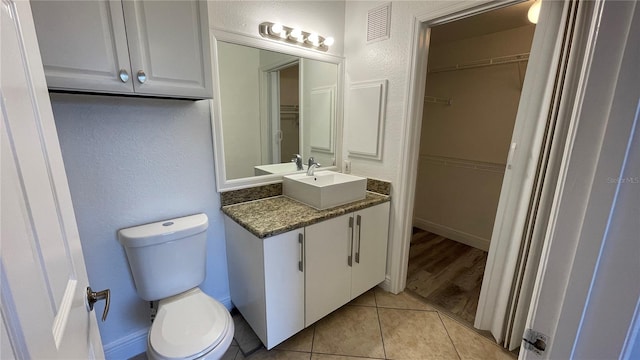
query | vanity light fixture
(276,31)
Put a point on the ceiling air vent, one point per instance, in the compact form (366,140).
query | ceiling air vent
(378,21)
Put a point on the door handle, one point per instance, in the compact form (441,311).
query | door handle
(301,261)
(93,297)
(358,223)
(350,257)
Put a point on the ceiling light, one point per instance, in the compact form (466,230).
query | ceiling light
(534,12)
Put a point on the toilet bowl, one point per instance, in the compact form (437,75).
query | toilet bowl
(190,325)
(167,261)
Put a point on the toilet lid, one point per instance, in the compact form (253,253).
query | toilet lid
(188,324)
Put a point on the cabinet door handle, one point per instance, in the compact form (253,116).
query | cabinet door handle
(350,257)
(142,77)
(301,243)
(123,75)
(358,221)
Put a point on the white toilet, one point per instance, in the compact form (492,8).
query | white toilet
(167,261)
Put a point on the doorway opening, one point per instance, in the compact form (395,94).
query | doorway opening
(475,74)
(289,119)
(284,111)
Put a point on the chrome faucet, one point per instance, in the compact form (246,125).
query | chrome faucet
(312,166)
(298,160)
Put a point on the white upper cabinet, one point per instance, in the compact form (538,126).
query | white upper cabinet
(83,45)
(155,48)
(169,47)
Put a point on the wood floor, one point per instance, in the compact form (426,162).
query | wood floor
(446,273)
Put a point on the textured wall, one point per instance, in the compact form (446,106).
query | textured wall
(388,59)
(132,161)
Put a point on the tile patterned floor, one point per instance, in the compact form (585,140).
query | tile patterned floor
(381,325)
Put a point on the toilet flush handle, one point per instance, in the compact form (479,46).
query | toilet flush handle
(93,297)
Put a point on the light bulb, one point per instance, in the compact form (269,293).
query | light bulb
(534,12)
(313,39)
(328,41)
(276,29)
(296,34)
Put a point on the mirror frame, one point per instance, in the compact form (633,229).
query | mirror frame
(222,183)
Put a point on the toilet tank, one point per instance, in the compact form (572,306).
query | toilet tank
(166,257)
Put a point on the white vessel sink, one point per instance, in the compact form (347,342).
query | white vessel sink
(276,168)
(325,189)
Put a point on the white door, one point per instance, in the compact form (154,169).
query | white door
(587,293)
(44,280)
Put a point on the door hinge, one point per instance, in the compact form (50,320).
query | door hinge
(535,341)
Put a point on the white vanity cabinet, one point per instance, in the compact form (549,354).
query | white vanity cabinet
(284,283)
(266,280)
(344,257)
(155,48)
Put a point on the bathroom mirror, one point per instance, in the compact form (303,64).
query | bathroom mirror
(272,101)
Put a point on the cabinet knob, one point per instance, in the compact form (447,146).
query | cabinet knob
(142,77)
(124,75)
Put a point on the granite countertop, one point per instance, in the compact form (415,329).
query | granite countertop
(277,215)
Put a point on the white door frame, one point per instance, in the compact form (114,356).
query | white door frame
(520,171)
(269,93)
(582,301)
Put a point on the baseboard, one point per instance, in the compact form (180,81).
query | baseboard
(128,346)
(386,284)
(453,234)
(136,343)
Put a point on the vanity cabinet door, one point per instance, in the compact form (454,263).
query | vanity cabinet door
(265,281)
(169,47)
(83,45)
(284,285)
(369,248)
(328,246)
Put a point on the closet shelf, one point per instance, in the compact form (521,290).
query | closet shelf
(482,63)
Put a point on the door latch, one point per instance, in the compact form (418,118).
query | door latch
(93,297)
(535,341)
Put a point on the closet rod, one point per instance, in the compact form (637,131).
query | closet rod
(438,100)
(482,63)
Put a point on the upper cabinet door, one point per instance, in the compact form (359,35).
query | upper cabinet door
(83,45)
(169,47)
